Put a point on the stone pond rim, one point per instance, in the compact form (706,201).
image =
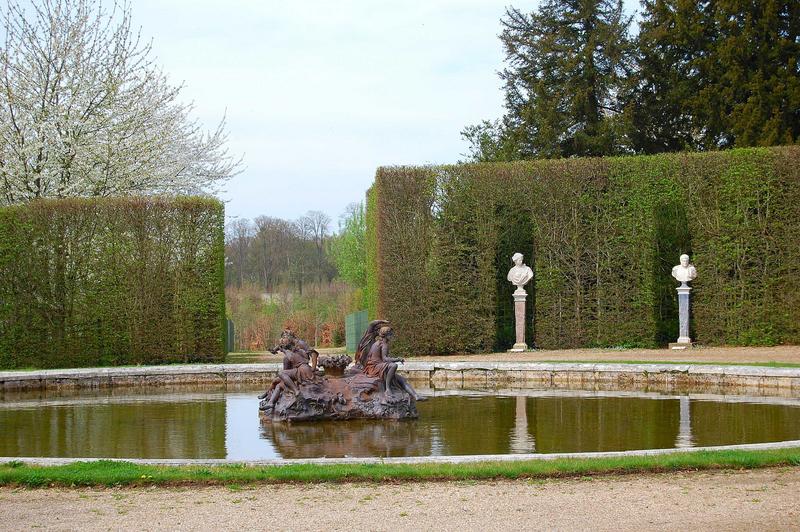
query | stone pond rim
(445,459)
(785,380)
(780,381)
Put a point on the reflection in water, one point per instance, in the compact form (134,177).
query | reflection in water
(684,438)
(134,428)
(214,423)
(354,438)
(521,439)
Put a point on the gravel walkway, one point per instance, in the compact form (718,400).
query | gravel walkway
(764,499)
(784,354)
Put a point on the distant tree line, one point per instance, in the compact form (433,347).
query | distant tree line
(698,76)
(294,273)
(269,252)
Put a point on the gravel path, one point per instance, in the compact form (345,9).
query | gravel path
(764,499)
(785,354)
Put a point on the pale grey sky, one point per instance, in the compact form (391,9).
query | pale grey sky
(318,93)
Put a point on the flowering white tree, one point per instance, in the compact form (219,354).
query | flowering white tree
(85,112)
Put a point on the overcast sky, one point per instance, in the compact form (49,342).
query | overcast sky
(318,94)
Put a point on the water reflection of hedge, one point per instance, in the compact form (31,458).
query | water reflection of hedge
(192,429)
(602,236)
(725,424)
(86,282)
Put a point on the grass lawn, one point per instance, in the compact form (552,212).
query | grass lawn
(112,473)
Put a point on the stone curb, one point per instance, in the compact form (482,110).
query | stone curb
(182,369)
(701,369)
(548,373)
(457,459)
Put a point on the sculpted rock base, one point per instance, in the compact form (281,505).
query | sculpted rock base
(356,396)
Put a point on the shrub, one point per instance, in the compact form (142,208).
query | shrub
(602,235)
(111,281)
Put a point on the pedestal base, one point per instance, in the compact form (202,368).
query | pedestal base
(684,340)
(519,321)
(682,345)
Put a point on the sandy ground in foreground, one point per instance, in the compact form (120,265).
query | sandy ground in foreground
(785,354)
(764,499)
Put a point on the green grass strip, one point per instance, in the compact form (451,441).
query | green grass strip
(110,473)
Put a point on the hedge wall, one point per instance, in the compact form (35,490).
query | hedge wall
(602,236)
(92,282)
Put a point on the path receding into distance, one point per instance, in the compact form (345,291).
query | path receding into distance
(717,500)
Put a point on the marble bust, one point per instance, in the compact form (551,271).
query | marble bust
(520,274)
(684,272)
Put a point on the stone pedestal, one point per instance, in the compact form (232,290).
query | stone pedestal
(520,295)
(684,341)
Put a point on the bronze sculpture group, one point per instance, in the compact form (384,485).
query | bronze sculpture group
(371,388)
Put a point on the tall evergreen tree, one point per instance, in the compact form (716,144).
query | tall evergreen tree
(714,74)
(566,66)
(673,37)
(758,81)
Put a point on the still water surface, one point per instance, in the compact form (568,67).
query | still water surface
(215,423)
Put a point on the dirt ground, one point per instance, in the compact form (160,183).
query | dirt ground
(751,355)
(764,499)
(779,354)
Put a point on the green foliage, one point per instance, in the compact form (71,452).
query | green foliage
(745,225)
(371,251)
(399,253)
(91,282)
(716,74)
(461,262)
(671,39)
(348,248)
(602,236)
(699,75)
(489,141)
(566,67)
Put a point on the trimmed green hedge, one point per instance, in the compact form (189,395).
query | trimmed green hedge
(111,281)
(602,235)
(371,290)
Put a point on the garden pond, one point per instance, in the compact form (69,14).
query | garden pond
(215,422)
